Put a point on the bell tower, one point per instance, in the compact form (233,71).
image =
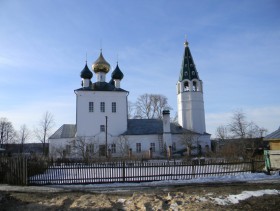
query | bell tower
(190,102)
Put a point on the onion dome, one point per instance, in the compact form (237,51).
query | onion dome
(101,65)
(117,73)
(86,73)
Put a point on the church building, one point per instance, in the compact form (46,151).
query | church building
(103,129)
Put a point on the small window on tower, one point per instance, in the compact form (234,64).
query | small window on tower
(186,86)
(194,86)
(102,128)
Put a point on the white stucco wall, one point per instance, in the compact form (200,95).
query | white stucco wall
(88,123)
(191,113)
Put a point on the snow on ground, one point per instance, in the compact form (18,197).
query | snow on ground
(118,187)
(244,177)
(234,199)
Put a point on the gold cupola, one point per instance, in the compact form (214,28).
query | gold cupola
(101,65)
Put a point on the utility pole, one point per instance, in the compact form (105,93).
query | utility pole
(106,144)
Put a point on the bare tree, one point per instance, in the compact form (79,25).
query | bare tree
(238,125)
(57,152)
(23,134)
(174,119)
(150,106)
(130,110)
(44,129)
(188,140)
(84,147)
(222,132)
(241,128)
(7,132)
(245,136)
(123,146)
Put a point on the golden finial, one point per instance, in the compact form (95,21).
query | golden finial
(186,41)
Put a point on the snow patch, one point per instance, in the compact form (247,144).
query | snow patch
(235,199)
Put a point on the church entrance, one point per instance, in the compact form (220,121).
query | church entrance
(102,149)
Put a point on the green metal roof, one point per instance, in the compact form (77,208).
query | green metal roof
(188,69)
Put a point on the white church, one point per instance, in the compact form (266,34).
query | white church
(103,129)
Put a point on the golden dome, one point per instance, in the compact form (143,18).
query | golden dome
(101,65)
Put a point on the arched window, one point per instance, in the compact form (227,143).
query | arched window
(194,86)
(186,86)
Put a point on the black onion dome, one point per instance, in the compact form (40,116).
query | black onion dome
(117,73)
(86,73)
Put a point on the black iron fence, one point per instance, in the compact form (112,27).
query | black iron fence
(20,171)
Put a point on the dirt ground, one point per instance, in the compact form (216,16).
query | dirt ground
(183,197)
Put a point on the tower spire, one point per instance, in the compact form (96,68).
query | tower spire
(188,69)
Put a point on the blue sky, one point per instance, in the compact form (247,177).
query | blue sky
(235,45)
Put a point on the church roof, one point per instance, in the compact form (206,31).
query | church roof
(134,127)
(65,131)
(188,69)
(101,65)
(150,127)
(274,135)
(101,86)
(117,73)
(86,73)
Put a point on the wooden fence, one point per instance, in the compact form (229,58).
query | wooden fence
(20,171)
(111,172)
(13,170)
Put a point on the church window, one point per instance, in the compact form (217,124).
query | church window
(90,148)
(114,107)
(102,128)
(194,86)
(90,107)
(113,148)
(102,106)
(186,74)
(138,147)
(186,86)
(193,73)
(153,147)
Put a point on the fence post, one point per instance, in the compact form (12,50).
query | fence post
(123,171)
(253,166)
(24,171)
